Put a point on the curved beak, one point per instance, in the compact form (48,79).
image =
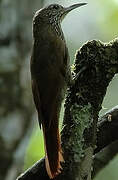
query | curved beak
(70,8)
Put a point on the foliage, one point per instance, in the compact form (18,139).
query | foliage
(35,149)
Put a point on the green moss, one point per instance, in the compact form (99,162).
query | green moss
(82,120)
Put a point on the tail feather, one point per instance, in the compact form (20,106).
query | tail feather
(52,170)
(53,151)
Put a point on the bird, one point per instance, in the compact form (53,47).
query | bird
(50,77)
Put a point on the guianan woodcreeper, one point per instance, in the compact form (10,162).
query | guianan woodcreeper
(50,76)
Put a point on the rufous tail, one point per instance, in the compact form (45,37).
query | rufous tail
(53,151)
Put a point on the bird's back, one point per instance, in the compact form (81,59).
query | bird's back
(49,62)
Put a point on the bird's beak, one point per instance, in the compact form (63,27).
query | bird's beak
(70,8)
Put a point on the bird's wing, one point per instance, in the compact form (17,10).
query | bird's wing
(65,68)
(36,96)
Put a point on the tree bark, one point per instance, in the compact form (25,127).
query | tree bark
(96,64)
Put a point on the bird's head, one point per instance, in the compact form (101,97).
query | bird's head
(55,13)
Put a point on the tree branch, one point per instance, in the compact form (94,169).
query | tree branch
(95,65)
(107,140)
(102,158)
(106,128)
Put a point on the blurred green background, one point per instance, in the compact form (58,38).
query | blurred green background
(97,20)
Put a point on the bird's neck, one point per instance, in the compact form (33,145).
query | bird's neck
(56,27)
(48,28)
